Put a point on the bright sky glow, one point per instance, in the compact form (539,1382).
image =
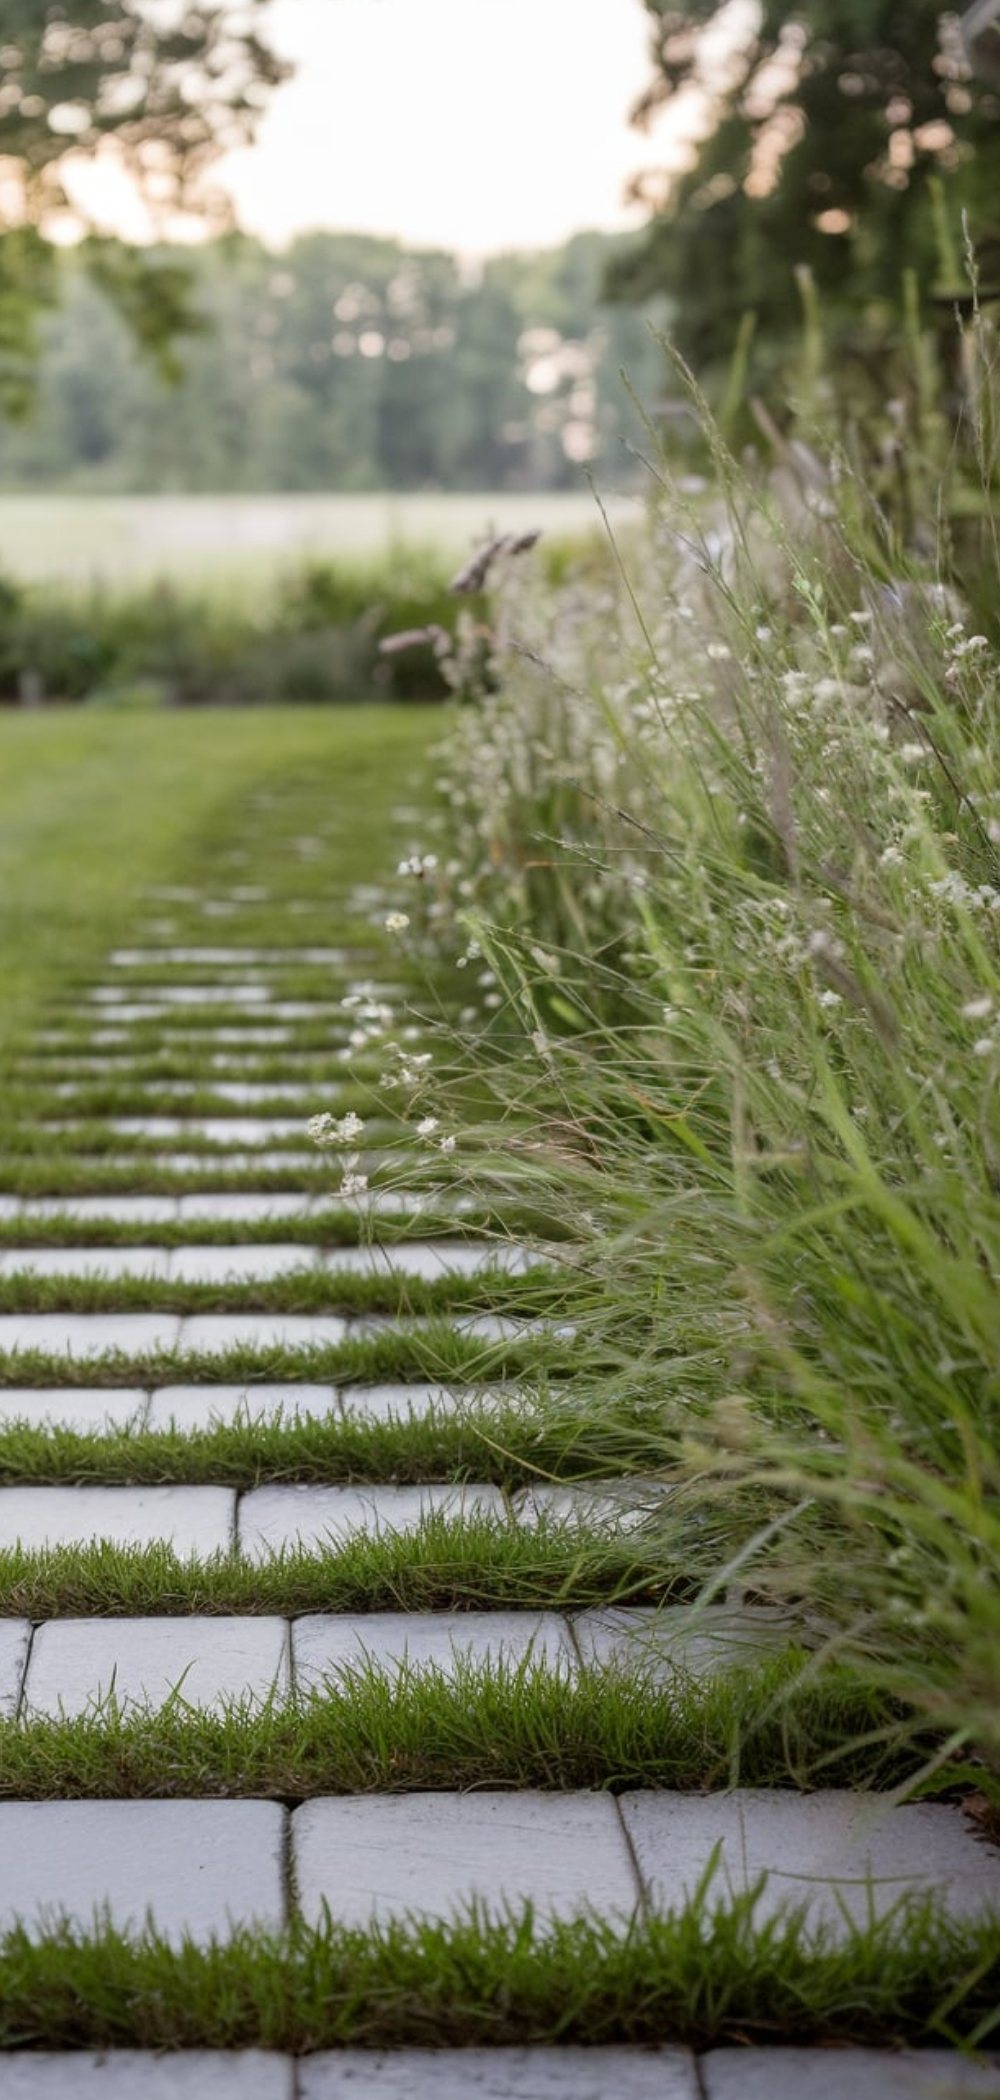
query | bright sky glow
(473,125)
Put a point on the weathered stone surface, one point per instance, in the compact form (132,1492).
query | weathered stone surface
(497,2074)
(124,1210)
(193,1866)
(846,2074)
(388,1855)
(76,1664)
(273,1517)
(832,1852)
(243,1204)
(324,1644)
(191,1519)
(398,1402)
(136,2074)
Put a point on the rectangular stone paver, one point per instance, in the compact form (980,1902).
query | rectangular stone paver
(193,1520)
(399,1403)
(90,1410)
(846,2074)
(217,1130)
(431,1855)
(324,1644)
(605,1505)
(86,1261)
(255,1262)
(137,2074)
(15,1640)
(85,1335)
(124,1210)
(427,1259)
(215,1332)
(497,2074)
(832,1852)
(662,1642)
(242,1204)
(190,1407)
(77,1664)
(197,1867)
(272,1518)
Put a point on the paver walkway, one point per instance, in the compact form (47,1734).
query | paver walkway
(173,1096)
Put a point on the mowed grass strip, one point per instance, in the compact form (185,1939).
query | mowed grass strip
(707,1976)
(435,1351)
(478,1724)
(305,1290)
(444,1564)
(510,1446)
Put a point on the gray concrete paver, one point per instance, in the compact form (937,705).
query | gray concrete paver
(138,2074)
(255,1262)
(89,1410)
(189,1407)
(215,1332)
(193,1520)
(325,1644)
(846,2074)
(428,1259)
(197,1867)
(124,1210)
(664,1642)
(605,1505)
(399,1402)
(242,1204)
(431,1855)
(498,2074)
(85,1261)
(77,1664)
(86,1335)
(15,1640)
(840,1855)
(271,1518)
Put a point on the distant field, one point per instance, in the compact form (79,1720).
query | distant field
(219,540)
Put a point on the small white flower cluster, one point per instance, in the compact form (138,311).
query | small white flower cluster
(327,1130)
(418,864)
(396,921)
(410,1070)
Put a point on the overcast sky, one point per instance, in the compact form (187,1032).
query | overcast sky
(478,124)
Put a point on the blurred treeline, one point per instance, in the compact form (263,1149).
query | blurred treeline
(347,362)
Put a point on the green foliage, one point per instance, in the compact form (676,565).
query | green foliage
(166,95)
(830,130)
(349,363)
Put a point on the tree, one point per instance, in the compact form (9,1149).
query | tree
(164,86)
(844,135)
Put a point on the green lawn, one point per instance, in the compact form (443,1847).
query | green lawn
(95,808)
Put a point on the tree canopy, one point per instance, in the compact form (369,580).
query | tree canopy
(164,87)
(844,135)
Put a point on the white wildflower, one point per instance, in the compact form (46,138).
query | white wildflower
(977,1009)
(353,1184)
(418,864)
(447,1144)
(320,1130)
(984,1047)
(397,922)
(427,1126)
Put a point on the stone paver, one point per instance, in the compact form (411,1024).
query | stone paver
(256,1262)
(86,1261)
(124,1210)
(136,2074)
(324,1644)
(431,1855)
(598,1505)
(90,1410)
(77,1664)
(15,1641)
(204,1406)
(428,1259)
(242,1205)
(398,1403)
(846,2074)
(284,1517)
(679,1639)
(197,1867)
(190,1519)
(215,1332)
(272,1518)
(834,1853)
(85,1335)
(497,2074)
(217,1130)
